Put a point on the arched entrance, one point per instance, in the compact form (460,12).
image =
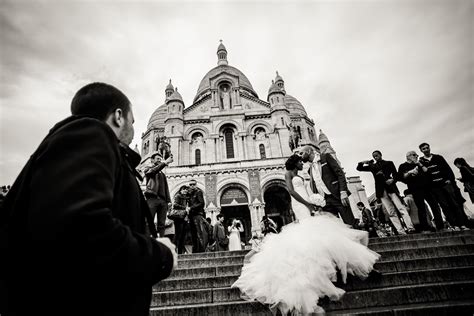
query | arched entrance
(234,204)
(277,202)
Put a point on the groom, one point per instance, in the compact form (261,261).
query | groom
(328,179)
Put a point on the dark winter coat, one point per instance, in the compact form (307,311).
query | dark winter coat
(196,203)
(75,227)
(382,171)
(332,175)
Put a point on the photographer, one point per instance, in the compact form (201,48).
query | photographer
(234,235)
(385,176)
(157,193)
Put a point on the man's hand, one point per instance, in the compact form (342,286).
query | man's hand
(167,242)
(448,182)
(169,160)
(344,198)
(389,181)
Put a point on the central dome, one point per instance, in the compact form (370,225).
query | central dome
(205,84)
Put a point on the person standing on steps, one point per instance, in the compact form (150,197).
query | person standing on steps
(157,192)
(385,176)
(74,222)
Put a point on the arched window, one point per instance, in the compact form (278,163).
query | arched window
(172,129)
(197,156)
(299,131)
(282,122)
(278,99)
(229,143)
(261,147)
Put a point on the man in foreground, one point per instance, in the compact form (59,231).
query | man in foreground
(73,225)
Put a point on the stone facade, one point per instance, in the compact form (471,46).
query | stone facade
(233,143)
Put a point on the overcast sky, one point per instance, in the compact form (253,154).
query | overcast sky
(381,75)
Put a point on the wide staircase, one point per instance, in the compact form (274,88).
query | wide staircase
(423,274)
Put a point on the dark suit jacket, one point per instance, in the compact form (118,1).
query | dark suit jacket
(332,176)
(382,171)
(196,203)
(75,227)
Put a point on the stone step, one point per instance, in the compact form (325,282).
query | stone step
(384,267)
(425,253)
(433,249)
(446,308)
(391,239)
(422,243)
(213,309)
(353,283)
(366,297)
(213,254)
(385,240)
(448,299)
(404,295)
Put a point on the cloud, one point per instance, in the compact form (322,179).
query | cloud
(385,74)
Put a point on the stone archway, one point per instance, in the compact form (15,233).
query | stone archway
(277,202)
(234,204)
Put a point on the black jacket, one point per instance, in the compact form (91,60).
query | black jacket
(382,171)
(332,176)
(75,224)
(414,183)
(196,203)
(438,170)
(156,182)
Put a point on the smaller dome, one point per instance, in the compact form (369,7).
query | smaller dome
(294,105)
(169,86)
(175,96)
(157,119)
(221,47)
(278,77)
(274,88)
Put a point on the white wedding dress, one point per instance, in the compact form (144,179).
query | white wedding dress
(295,268)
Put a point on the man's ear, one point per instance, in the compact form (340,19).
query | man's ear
(117,118)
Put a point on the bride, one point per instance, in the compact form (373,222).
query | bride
(295,268)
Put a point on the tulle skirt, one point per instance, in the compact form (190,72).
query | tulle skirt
(295,268)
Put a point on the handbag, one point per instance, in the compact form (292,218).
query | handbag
(177,213)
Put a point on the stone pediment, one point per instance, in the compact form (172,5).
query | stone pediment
(205,108)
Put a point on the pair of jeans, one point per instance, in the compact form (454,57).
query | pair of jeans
(392,203)
(420,196)
(180,234)
(452,209)
(158,208)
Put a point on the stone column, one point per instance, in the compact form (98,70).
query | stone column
(244,152)
(256,213)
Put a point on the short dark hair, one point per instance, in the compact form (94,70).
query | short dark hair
(360,204)
(423,145)
(461,161)
(377,151)
(183,187)
(156,154)
(290,164)
(98,100)
(219,216)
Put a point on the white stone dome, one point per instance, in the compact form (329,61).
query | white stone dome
(205,84)
(294,105)
(157,119)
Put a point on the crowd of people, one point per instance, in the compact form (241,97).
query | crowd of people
(77,215)
(432,201)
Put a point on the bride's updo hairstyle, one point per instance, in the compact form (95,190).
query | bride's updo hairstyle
(290,164)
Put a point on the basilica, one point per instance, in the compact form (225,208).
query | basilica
(235,144)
